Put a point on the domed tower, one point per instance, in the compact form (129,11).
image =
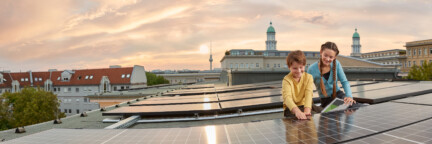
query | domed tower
(271,38)
(356,47)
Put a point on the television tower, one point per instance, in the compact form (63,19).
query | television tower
(211,57)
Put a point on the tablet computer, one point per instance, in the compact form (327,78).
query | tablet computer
(336,105)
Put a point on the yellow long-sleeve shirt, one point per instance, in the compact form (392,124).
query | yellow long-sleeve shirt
(297,93)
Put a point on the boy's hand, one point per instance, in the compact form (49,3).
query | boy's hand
(349,100)
(307,111)
(299,114)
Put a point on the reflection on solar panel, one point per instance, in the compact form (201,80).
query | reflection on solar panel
(164,110)
(422,99)
(391,122)
(387,94)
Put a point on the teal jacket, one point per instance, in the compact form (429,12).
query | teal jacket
(340,75)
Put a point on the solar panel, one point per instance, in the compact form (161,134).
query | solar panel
(250,96)
(176,101)
(420,132)
(166,110)
(422,99)
(387,94)
(383,117)
(251,104)
(272,91)
(381,85)
(193,92)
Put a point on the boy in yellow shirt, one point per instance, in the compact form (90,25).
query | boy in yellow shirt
(297,87)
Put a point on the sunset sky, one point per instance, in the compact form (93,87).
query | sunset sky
(39,35)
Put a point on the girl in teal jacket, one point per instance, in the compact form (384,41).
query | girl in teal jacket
(326,73)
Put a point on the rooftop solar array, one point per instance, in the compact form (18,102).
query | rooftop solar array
(210,98)
(385,122)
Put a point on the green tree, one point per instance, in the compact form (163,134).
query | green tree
(5,116)
(153,79)
(423,72)
(30,106)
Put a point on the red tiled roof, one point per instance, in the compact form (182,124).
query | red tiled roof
(114,76)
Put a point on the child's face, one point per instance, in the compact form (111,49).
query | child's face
(327,56)
(297,69)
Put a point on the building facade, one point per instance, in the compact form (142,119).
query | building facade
(248,59)
(394,57)
(73,86)
(418,52)
(356,46)
(191,77)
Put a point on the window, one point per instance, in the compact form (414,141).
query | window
(76,89)
(414,52)
(22,79)
(55,89)
(257,64)
(115,88)
(58,78)
(77,111)
(123,76)
(128,75)
(409,63)
(278,65)
(241,65)
(420,52)
(36,79)
(231,65)
(274,65)
(40,79)
(91,77)
(247,65)
(70,110)
(425,51)
(237,65)
(127,87)
(69,89)
(77,100)
(421,62)
(65,111)
(122,87)
(268,65)
(86,77)
(430,50)
(414,62)
(85,100)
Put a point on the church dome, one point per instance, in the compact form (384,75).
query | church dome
(270,29)
(356,34)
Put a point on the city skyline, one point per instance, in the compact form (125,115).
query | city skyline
(38,36)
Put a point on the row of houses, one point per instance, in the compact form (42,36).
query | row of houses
(73,86)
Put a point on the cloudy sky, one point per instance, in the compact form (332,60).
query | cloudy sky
(173,34)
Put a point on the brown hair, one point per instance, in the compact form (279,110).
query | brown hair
(296,56)
(330,46)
